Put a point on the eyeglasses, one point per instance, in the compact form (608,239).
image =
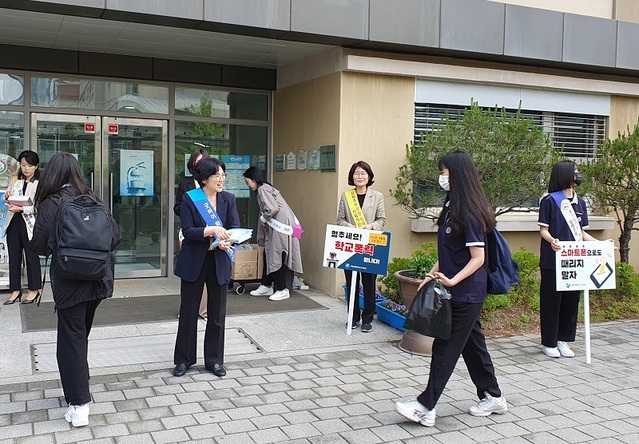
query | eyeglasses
(360,174)
(219,176)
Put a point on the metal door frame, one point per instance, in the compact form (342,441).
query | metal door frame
(99,182)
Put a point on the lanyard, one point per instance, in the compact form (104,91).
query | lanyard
(568,212)
(209,215)
(355,209)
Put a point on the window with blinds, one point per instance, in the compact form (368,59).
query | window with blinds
(578,135)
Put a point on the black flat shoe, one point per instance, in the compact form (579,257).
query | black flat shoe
(13,301)
(217,370)
(180,369)
(31,301)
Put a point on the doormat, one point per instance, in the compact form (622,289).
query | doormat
(142,309)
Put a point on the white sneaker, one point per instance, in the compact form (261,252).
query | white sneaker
(416,412)
(551,352)
(262,290)
(564,349)
(489,405)
(78,415)
(280,295)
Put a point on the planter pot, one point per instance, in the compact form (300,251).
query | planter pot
(416,344)
(390,317)
(408,284)
(412,342)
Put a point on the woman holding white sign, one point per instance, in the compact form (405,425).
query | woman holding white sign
(562,217)
(363,208)
(279,234)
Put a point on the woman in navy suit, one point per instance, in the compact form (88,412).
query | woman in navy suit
(188,183)
(198,264)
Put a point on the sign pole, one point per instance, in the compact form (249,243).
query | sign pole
(587,323)
(354,294)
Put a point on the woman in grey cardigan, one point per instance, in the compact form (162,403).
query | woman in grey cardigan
(279,234)
(363,208)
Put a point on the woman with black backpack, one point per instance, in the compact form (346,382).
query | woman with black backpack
(75,300)
(464,222)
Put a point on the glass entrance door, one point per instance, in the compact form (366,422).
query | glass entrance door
(124,161)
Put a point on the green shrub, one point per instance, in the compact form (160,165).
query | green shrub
(524,297)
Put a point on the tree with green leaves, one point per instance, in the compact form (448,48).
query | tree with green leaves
(512,154)
(612,179)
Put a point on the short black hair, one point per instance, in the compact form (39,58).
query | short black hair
(207,167)
(32,158)
(366,167)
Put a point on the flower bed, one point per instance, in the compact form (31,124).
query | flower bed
(378,296)
(392,313)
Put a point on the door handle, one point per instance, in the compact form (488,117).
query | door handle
(111,192)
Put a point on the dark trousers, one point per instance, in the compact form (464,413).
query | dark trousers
(467,339)
(283,277)
(557,311)
(17,242)
(190,295)
(368,282)
(74,326)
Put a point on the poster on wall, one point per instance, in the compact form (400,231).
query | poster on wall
(291,161)
(327,158)
(235,167)
(136,173)
(279,162)
(314,160)
(261,162)
(301,159)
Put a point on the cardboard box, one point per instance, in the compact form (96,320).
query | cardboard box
(249,264)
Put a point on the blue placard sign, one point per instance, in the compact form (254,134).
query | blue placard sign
(354,249)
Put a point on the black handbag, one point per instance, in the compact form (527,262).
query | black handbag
(430,313)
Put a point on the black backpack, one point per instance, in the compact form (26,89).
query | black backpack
(503,271)
(82,239)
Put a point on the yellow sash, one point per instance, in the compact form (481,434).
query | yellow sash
(356,210)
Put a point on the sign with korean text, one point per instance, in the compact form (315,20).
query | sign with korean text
(235,167)
(585,266)
(354,249)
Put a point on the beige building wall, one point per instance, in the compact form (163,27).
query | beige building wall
(306,116)
(369,116)
(377,123)
(624,116)
(626,10)
(594,8)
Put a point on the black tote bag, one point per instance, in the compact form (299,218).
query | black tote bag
(430,314)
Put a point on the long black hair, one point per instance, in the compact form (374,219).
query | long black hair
(32,158)
(254,173)
(62,171)
(562,176)
(466,201)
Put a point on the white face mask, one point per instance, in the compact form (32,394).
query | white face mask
(443,182)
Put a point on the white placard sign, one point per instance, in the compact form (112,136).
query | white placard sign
(585,266)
